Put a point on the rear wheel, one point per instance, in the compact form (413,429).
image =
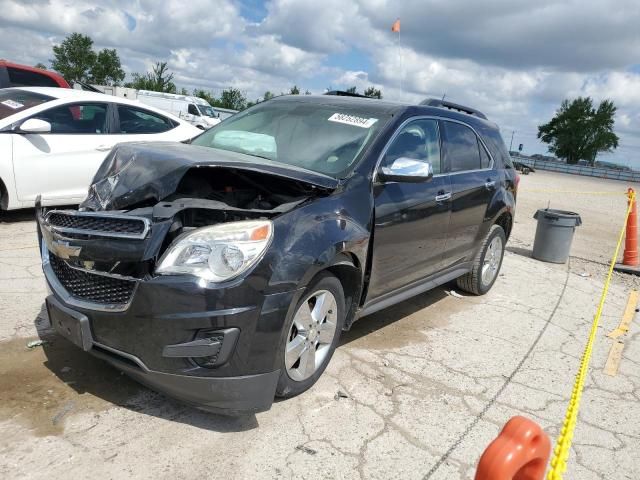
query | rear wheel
(312,335)
(486,265)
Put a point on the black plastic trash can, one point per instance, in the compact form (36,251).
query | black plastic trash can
(554,234)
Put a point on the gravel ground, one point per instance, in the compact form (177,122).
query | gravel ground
(414,391)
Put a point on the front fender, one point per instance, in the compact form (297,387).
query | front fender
(312,243)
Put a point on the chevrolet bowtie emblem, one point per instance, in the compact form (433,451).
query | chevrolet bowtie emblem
(64,250)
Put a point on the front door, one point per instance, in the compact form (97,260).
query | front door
(411,219)
(60,165)
(473,184)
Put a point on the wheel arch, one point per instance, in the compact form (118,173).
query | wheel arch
(348,270)
(505,220)
(4,196)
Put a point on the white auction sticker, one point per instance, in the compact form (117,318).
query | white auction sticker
(352,120)
(12,104)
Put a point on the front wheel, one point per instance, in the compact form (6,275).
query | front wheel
(486,265)
(312,335)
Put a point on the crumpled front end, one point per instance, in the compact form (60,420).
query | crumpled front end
(209,344)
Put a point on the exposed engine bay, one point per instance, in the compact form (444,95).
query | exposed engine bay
(242,190)
(206,196)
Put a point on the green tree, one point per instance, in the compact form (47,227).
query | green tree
(351,90)
(74,58)
(107,69)
(232,98)
(158,80)
(307,92)
(267,96)
(373,93)
(578,131)
(294,90)
(40,65)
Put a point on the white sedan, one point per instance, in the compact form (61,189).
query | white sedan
(52,140)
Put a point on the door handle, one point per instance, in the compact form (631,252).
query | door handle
(443,197)
(489,184)
(104,148)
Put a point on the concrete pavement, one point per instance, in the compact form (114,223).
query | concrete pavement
(415,391)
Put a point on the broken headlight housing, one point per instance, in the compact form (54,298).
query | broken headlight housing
(218,253)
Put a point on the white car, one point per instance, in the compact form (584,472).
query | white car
(52,140)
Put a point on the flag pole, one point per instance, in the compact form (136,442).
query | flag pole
(395,28)
(401,62)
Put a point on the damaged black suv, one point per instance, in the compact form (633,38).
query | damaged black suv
(222,272)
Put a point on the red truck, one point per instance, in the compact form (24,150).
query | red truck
(16,75)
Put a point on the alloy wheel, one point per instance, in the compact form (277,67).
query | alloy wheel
(491,263)
(311,335)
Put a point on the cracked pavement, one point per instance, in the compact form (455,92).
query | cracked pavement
(425,384)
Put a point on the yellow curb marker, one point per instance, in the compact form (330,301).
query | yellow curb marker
(627,317)
(613,361)
(563,443)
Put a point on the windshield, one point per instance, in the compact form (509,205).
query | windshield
(14,101)
(208,111)
(323,138)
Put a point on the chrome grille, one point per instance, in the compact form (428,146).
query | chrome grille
(90,223)
(91,287)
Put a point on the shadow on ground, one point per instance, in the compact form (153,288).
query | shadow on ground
(15,216)
(43,385)
(390,316)
(523,252)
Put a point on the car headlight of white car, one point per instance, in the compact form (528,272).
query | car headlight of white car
(218,253)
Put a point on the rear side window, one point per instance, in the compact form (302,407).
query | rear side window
(485,159)
(138,121)
(79,118)
(25,78)
(496,145)
(463,149)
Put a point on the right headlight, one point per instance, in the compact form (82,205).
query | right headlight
(218,253)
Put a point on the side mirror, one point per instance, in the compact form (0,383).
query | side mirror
(409,170)
(34,125)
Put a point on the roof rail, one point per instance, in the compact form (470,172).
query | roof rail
(343,93)
(434,102)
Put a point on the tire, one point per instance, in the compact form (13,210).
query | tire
(297,376)
(488,260)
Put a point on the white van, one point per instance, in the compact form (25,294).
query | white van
(194,110)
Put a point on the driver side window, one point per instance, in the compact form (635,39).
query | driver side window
(419,140)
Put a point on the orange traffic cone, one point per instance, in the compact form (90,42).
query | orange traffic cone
(520,452)
(631,234)
(630,260)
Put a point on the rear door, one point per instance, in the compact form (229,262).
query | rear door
(60,165)
(411,219)
(473,184)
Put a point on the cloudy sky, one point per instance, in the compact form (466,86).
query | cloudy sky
(513,59)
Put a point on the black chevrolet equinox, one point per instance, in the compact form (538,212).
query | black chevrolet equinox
(222,272)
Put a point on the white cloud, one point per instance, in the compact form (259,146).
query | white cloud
(514,59)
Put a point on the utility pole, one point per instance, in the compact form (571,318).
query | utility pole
(511,144)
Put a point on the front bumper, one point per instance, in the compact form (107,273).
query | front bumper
(167,317)
(227,395)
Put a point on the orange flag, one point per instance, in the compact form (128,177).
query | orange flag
(396,26)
